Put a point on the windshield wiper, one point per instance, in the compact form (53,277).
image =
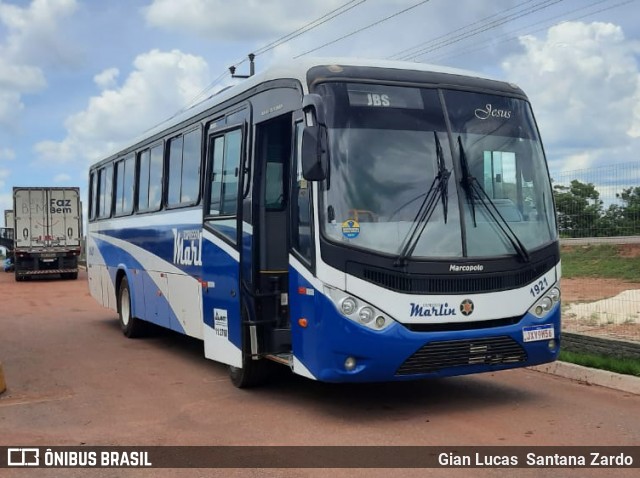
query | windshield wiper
(437,190)
(475,192)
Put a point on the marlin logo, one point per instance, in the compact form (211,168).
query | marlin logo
(187,247)
(431,310)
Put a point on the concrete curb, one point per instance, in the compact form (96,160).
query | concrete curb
(3,384)
(617,381)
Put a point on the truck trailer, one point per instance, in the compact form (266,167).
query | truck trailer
(47,231)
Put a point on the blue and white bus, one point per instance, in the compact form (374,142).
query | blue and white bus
(352,220)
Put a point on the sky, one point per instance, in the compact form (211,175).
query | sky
(80,77)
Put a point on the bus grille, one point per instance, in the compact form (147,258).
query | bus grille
(435,356)
(446,284)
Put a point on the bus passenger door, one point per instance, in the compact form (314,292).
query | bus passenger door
(271,277)
(221,244)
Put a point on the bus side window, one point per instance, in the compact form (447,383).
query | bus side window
(124,186)
(143,180)
(226,152)
(301,239)
(106,191)
(184,168)
(93,195)
(155,177)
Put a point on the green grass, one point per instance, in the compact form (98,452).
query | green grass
(627,366)
(602,261)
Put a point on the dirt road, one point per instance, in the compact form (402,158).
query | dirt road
(73,379)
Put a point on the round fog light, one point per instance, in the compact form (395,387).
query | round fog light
(380,321)
(552,345)
(349,364)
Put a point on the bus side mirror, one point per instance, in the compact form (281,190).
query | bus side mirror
(314,153)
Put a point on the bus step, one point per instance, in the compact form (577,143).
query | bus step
(285,359)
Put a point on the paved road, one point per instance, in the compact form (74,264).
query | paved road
(74,379)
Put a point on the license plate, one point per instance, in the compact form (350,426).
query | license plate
(538,332)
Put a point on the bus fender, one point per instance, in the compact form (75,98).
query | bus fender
(134,279)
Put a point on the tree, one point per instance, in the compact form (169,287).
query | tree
(579,209)
(630,211)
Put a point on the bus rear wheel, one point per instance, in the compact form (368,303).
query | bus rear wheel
(132,327)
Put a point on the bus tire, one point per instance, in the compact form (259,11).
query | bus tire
(70,276)
(132,327)
(253,373)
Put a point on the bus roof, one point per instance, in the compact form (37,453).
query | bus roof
(296,69)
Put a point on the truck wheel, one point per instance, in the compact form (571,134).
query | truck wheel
(70,275)
(253,373)
(132,327)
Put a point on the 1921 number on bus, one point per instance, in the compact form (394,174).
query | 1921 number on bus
(539,287)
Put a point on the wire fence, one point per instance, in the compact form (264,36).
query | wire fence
(599,223)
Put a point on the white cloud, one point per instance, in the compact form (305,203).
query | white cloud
(160,84)
(634,130)
(33,32)
(244,20)
(107,78)
(583,81)
(32,41)
(7,154)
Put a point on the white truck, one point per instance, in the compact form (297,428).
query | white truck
(47,231)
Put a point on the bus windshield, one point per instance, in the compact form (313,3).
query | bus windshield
(383,144)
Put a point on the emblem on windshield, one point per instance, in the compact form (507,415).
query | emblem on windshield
(466,307)
(350,229)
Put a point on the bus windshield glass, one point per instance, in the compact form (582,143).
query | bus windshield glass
(383,144)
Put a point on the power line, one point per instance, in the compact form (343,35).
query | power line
(399,54)
(362,29)
(481,29)
(290,36)
(514,35)
(309,26)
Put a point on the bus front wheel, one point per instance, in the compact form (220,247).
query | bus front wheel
(253,373)
(132,327)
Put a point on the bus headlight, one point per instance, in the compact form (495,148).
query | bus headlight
(348,306)
(546,302)
(357,310)
(366,315)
